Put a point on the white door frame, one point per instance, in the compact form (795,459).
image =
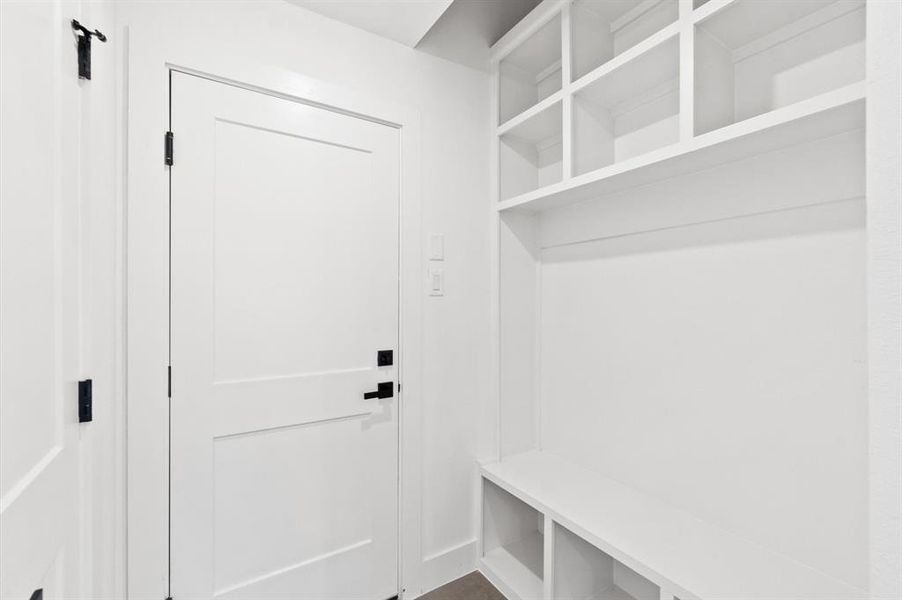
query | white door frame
(148,66)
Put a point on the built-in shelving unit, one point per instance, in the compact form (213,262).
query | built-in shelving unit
(513,543)
(829,114)
(643,86)
(669,148)
(609,542)
(754,57)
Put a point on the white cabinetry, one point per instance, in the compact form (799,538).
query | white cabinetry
(680,297)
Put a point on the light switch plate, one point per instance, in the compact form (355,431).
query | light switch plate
(436,283)
(436,246)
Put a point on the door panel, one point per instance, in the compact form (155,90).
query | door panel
(39,302)
(284,287)
(280,537)
(273,188)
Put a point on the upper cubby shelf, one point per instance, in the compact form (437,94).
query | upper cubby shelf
(531,152)
(629,111)
(820,117)
(752,57)
(646,90)
(603,29)
(531,72)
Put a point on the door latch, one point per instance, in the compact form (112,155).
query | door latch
(84,35)
(386,389)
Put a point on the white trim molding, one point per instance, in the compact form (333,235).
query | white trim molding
(884,228)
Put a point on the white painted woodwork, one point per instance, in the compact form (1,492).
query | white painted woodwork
(884,226)
(284,287)
(782,179)
(628,111)
(753,57)
(683,311)
(532,72)
(662,545)
(44,321)
(513,543)
(604,29)
(824,116)
(584,571)
(531,155)
(632,106)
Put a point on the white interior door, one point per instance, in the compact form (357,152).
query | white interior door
(284,478)
(40,309)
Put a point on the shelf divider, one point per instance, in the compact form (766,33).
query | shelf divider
(549,558)
(566,72)
(687,71)
(530,112)
(622,59)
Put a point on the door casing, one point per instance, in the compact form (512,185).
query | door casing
(149,65)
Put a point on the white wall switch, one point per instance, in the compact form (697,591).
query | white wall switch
(436,281)
(436,246)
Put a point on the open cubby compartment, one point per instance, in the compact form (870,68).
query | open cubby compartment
(752,57)
(531,153)
(583,572)
(629,111)
(603,29)
(513,542)
(531,72)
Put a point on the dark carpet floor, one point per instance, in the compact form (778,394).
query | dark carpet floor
(469,587)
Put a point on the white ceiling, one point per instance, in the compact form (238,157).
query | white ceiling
(405,21)
(458,30)
(467,30)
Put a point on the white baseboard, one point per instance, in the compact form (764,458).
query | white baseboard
(446,566)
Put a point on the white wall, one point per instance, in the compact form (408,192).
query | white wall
(722,368)
(717,358)
(453,105)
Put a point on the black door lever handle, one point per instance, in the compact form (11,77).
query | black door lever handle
(386,390)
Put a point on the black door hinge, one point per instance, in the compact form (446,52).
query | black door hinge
(85,401)
(168,148)
(83,47)
(169,382)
